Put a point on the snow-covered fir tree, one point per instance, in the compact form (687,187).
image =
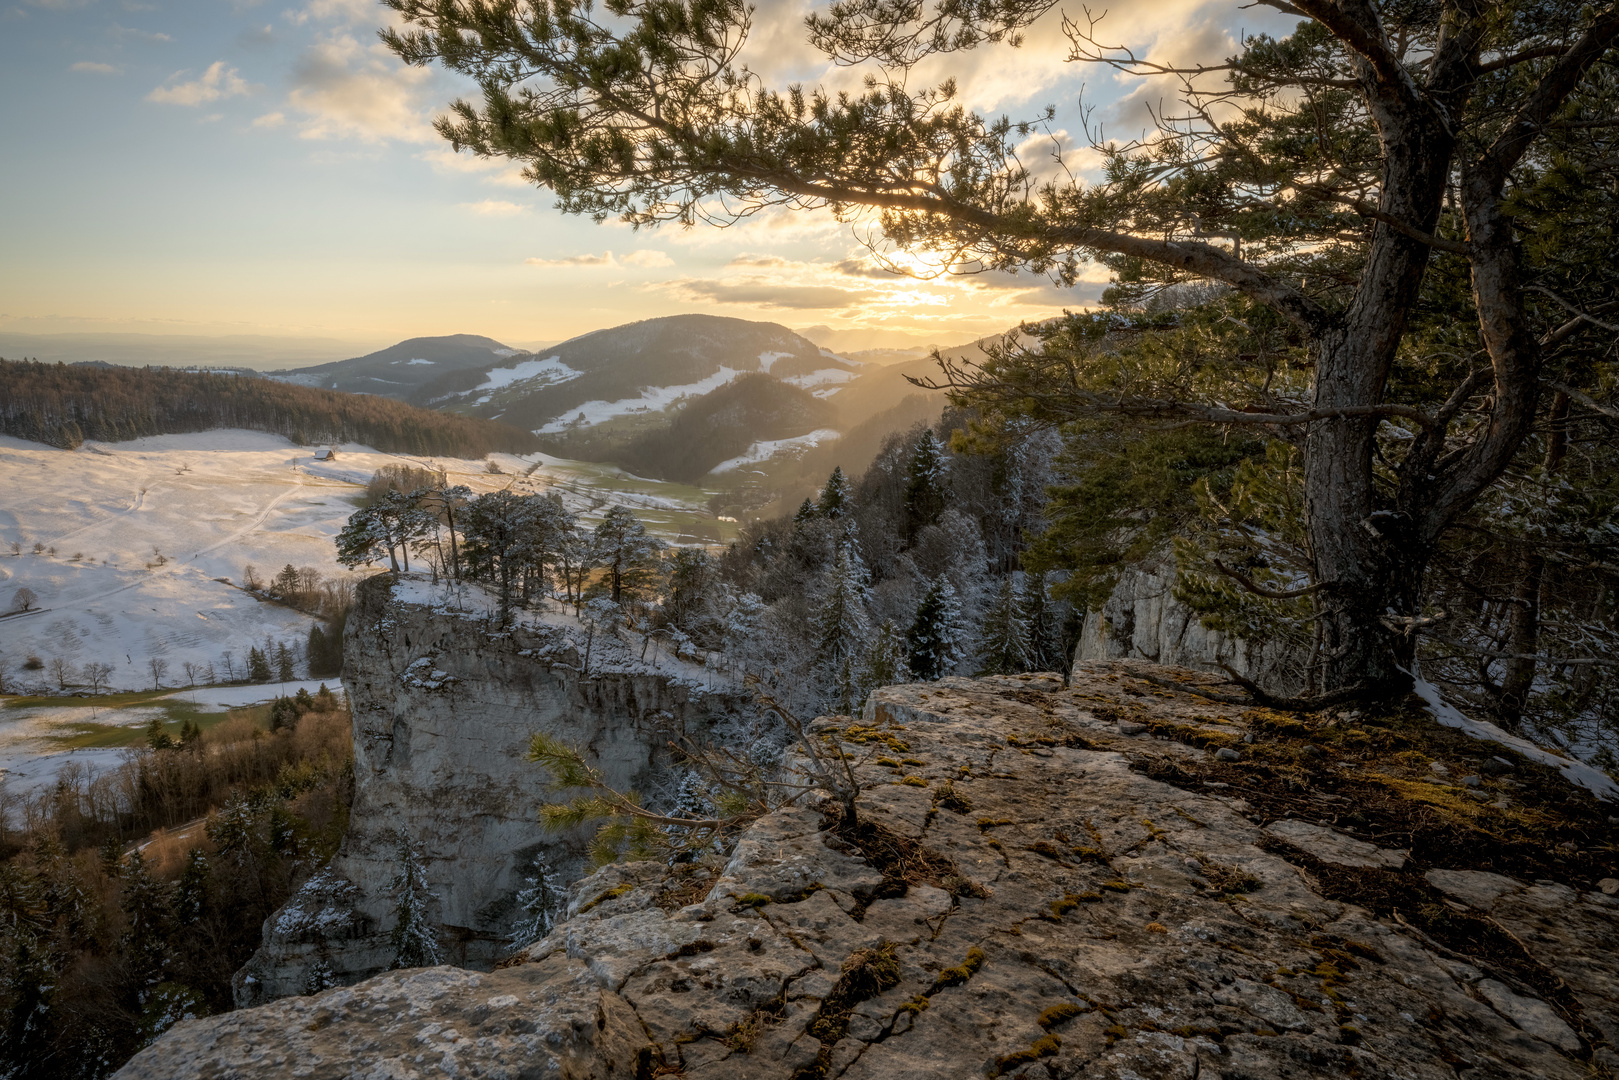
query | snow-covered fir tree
(1041,617)
(539,900)
(887,660)
(1003,636)
(319,977)
(835,496)
(841,629)
(415,938)
(935,636)
(926,484)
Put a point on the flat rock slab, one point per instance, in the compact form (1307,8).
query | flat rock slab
(1052,912)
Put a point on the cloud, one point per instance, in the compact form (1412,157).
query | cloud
(645,259)
(497,171)
(91,67)
(346,90)
(767,295)
(495,208)
(574,260)
(271,120)
(214,84)
(346,12)
(122,32)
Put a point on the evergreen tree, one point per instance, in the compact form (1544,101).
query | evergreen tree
(935,635)
(806,511)
(283,662)
(499,533)
(1003,638)
(620,545)
(835,496)
(926,485)
(888,659)
(1041,618)
(286,582)
(258,667)
(415,939)
(539,900)
(191,891)
(840,628)
(363,540)
(146,906)
(156,737)
(319,977)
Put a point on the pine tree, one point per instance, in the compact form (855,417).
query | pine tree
(935,635)
(1041,618)
(888,659)
(191,892)
(286,582)
(840,628)
(283,663)
(540,899)
(621,546)
(926,485)
(835,496)
(806,511)
(1003,639)
(319,977)
(415,939)
(258,668)
(146,906)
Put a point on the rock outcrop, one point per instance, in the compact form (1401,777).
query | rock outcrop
(1142,620)
(1102,881)
(444,707)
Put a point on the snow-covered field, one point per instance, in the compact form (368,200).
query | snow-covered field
(143,543)
(38,741)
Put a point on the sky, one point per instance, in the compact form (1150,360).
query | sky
(262,169)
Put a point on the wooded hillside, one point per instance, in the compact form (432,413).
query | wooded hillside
(63,406)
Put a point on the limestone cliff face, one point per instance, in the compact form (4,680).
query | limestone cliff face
(1142,620)
(443,710)
(1102,881)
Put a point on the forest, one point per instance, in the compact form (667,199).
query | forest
(114,932)
(62,405)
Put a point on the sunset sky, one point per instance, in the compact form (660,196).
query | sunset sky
(245,167)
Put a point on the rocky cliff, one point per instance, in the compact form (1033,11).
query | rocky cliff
(1117,879)
(1142,620)
(443,707)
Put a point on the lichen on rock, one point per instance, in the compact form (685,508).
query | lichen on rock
(1062,899)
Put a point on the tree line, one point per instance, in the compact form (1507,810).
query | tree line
(63,405)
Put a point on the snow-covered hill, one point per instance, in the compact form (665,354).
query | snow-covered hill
(400,370)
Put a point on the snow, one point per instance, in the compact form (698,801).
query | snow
(242,497)
(417,362)
(1575,772)
(547,372)
(822,377)
(653,398)
(764,450)
(766,359)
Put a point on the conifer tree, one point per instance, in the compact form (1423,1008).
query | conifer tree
(319,977)
(806,511)
(539,900)
(1003,639)
(835,496)
(191,891)
(283,662)
(622,547)
(926,491)
(286,582)
(146,906)
(841,627)
(1041,617)
(415,939)
(887,660)
(258,667)
(935,635)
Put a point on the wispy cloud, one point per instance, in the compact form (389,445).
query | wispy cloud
(91,67)
(122,32)
(495,208)
(767,295)
(215,84)
(271,120)
(646,259)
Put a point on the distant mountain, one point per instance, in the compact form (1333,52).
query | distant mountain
(399,371)
(633,370)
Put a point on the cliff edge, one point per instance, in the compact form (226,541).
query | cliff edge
(1108,880)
